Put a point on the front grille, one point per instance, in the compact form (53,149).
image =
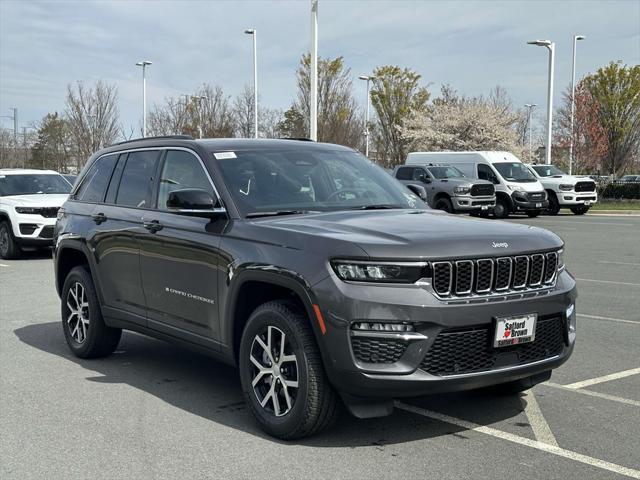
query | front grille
(374,350)
(499,275)
(585,187)
(46,232)
(471,350)
(482,189)
(483,202)
(536,196)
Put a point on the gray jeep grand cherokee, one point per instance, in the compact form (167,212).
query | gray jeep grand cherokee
(322,278)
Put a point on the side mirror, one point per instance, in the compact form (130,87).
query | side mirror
(419,191)
(425,179)
(192,201)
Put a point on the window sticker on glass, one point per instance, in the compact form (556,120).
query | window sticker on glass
(224,155)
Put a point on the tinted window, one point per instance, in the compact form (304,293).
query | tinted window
(404,173)
(94,184)
(419,174)
(24,184)
(115,180)
(181,170)
(514,172)
(485,173)
(137,178)
(445,172)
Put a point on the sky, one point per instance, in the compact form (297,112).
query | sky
(471,45)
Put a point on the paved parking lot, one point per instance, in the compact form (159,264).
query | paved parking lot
(153,410)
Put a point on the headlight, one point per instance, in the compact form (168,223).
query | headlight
(461,190)
(29,210)
(560,260)
(515,188)
(571,318)
(379,272)
(566,188)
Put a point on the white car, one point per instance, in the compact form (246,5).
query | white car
(29,203)
(575,192)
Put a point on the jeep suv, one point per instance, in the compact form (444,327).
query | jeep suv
(29,202)
(323,279)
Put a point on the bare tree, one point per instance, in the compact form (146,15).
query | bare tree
(243,113)
(92,115)
(269,122)
(169,118)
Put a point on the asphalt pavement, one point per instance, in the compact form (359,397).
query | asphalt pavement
(153,410)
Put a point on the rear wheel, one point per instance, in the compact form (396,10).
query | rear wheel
(581,210)
(84,329)
(501,210)
(533,213)
(444,204)
(554,205)
(282,375)
(9,249)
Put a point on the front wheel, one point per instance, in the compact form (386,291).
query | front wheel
(445,205)
(9,249)
(554,205)
(501,210)
(282,375)
(581,210)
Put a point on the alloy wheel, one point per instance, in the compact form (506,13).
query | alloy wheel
(78,318)
(274,371)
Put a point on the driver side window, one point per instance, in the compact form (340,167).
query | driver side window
(181,170)
(420,174)
(485,173)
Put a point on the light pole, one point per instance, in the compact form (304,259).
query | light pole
(573,101)
(254,34)
(199,99)
(366,116)
(551,47)
(144,64)
(313,110)
(530,107)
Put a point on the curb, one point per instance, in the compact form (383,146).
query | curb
(633,213)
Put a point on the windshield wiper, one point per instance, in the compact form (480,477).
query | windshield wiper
(380,206)
(275,213)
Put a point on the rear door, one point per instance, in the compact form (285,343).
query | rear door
(180,256)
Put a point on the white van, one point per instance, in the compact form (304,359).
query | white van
(517,189)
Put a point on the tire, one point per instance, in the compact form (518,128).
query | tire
(9,249)
(533,213)
(501,210)
(554,205)
(313,403)
(581,210)
(519,386)
(445,205)
(95,339)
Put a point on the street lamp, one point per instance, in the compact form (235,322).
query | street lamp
(573,102)
(144,64)
(199,99)
(254,33)
(551,47)
(313,97)
(530,107)
(366,117)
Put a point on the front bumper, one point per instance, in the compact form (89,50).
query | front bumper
(573,199)
(33,230)
(406,376)
(523,202)
(470,203)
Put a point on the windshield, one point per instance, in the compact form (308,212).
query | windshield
(514,172)
(300,180)
(445,172)
(547,170)
(25,184)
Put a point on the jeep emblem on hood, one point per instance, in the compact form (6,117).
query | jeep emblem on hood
(500,245)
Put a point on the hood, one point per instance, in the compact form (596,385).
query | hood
(414,234)
(35,200)
(462,181)
(527,186)
(565,179)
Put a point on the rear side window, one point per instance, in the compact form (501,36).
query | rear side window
(404,173)
(137,179)
(94,184)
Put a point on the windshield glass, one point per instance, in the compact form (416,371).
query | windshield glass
(32,184)
(445,172)
(547,170)
(514,172)
(309,180)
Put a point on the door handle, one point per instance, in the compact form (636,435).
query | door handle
(153,226)
(99,218)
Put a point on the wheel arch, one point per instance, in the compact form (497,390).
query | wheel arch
(507,198)
(69,255)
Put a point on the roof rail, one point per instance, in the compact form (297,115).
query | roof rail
(159,137)
(300,139)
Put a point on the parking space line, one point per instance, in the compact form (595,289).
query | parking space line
(591,393)
(604,378)
(620,263)
(3,265)
(527,442)
(539,425)
(608,281)
(609,319)
(608,224)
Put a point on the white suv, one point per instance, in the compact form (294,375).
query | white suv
(29,203)
(576,193)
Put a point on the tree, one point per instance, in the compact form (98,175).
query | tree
(54,146)
(395,94)
(459,123)
(269,122)
(615,90)
(92,116)
(339,118)
(243,113)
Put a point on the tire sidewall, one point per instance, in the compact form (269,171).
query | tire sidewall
(257,323)
(501,210)
(554,205)
(445,205)
(12,249)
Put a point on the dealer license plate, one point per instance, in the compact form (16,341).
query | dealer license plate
(515,330)
(484,207)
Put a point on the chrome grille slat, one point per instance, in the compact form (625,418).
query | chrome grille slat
(494,276)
